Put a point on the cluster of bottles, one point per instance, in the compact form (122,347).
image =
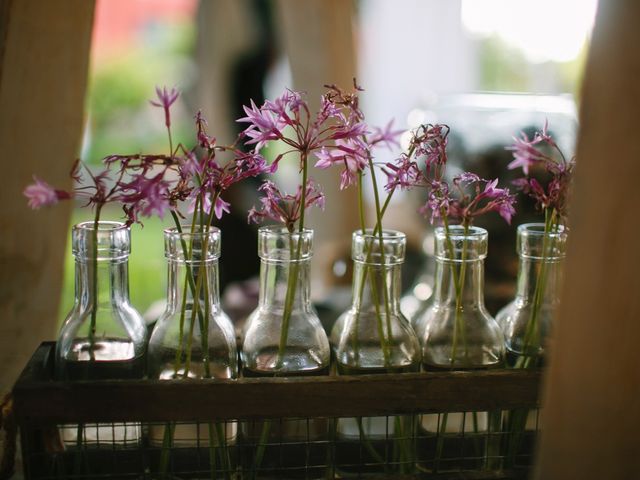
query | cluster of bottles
(104,336)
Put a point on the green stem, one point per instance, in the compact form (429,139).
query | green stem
(292,283)
(532,333)
(518,417)
(294,267)
(458,326)
(303,193)
(94,286)
(383,341)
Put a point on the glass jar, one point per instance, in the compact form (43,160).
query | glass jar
(283,337)
(459,334)
(527,320)
(193,339)
(103,336)
(372,337)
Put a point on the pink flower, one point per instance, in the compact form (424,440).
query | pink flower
(554,194)
(475,197)
(386,135)
(403,174)
(353,155)
(145,196)
(430,141)
(166,99)
(438,202)
(220,207)
(525,154)
(285,208)
(41,194)
(263,125)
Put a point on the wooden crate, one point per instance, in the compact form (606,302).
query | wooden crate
(43,404)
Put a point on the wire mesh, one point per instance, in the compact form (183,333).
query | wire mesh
(422,445)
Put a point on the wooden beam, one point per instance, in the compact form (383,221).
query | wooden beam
(39,400)
(592,403)
(44,58)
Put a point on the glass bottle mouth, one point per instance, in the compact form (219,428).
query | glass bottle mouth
(366,247)
(277,244)
(189,246)
(112,242)
(533,243)
(456,245)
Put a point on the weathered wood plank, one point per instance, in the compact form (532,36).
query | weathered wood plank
(41,400)
(44,55)
(592,403)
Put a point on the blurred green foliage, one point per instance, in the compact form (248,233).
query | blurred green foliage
(504,68)
(120,118)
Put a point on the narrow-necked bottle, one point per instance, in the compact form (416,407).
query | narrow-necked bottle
(103,336)
(527,320)
(193,338)
(374,337)
(459,334)
(283,337)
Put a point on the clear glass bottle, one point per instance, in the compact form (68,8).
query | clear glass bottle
(193,338)
(459,334)
(374,337)
(103,336)
(527,320)
(283,337)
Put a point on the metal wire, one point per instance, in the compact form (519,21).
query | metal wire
(287,447)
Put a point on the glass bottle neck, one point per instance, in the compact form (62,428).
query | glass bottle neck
(376,287)
(189,280)
(541,277)
(459,282)
(101,283)
(276,280)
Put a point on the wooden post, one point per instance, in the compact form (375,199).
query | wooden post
(318,39)
(591,420)
(44,58)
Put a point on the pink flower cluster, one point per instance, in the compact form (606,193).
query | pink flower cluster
(148,185)
(285,208)
(475,197)
(537,153)
(41,194)
(336,135)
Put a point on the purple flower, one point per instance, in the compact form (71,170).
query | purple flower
(41,194)
(438,201)
(289,101)
(386,135)
(145,196)
(219,208)
(475,197)
(430,142)
(403,174)
(263,125)
(353,155)
(166,99)
(285,208)
(526,154)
